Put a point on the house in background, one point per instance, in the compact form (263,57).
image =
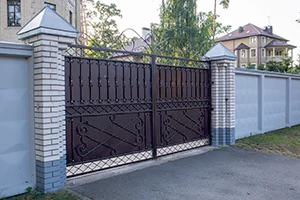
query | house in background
(255,45)
(132,51)
(14,14)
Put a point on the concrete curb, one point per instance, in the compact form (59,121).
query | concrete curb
(80,196)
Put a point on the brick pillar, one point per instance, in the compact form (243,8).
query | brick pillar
(49,44)
(222,95)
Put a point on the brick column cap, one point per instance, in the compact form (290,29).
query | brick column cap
(47,21)
(220,52)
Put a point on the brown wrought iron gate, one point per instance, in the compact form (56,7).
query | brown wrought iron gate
(124,108)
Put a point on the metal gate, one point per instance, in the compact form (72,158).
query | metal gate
(123,108)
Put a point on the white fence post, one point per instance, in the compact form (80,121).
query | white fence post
(49,43)
(289,102)
(261,102)
(222,95)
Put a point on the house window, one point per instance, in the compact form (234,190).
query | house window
(244,66)
(70,17)
(244,53)
(14,13)
(254,65)
(253,53)
(263,52)
(50,5)
(253,40)
(263,40)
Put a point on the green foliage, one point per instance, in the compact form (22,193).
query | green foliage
(296,68)
(104,29)
(182,32)
(282,67)
(285,142)
(261,67)
(29,189)
(225,3)
(250,66)
(35,195)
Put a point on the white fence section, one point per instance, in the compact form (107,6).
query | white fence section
(17,160)
(265,101)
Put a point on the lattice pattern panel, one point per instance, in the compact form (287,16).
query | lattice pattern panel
(182,147)
(78,169)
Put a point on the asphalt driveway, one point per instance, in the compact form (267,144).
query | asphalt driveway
(228,173)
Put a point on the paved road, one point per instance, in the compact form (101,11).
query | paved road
(229,173)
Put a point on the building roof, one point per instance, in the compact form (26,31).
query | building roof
(242,46)
(49,19)
(277,43)
(137,46)
(220,52)
(250,30)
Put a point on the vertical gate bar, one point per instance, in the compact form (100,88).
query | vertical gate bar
(160,84)
(138,82)
(200,84)
(145,82)
(176,74)
(68,104)
(196,85)
(191,83)
(171,83)
(130,79)
(81,85)
(209,99)
(80,79)
(123,80)
(186,84)
(116,82)
(154,99)
(181,83)
(107,82)
(166,87)
(99,81)
(90,81)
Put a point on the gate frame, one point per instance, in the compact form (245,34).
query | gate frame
(80,53)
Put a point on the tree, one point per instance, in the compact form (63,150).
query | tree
(261,67)
(84,31)
(283,66)
(101,22)
(225,4)
(296,68)
(250,66)
(182,32)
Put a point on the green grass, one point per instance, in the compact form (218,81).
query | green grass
(283,142)
(33,195)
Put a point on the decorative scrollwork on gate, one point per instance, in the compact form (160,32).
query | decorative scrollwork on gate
(92,137)
(181,124)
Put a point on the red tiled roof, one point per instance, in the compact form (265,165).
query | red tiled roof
(247,31)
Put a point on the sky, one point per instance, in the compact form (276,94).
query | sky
(280,14)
